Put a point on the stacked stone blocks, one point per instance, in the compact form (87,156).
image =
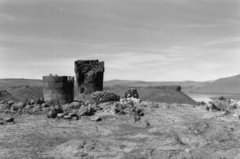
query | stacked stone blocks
(58,89)
(89,77)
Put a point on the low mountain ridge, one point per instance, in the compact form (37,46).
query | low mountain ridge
(22,89)
(222,85)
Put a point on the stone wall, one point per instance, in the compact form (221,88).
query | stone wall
(89,78)
(58,89)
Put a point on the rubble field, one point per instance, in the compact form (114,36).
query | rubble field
(125,129)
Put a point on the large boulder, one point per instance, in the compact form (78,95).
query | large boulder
(18,106)
(52,113)
(220,105)
(75,105)
(83,111)
(31,102)
(3,102)
(11,102)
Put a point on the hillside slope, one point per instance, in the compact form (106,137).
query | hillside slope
(4,95)
(223,85)
(22,89)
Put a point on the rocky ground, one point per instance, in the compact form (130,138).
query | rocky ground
(123,130)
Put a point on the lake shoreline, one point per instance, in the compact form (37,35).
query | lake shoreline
(206,97)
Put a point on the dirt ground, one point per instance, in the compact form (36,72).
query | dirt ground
(165,132)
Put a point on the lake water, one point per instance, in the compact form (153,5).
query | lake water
(208,97)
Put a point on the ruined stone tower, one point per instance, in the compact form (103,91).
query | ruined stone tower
(89,78)
(58,89)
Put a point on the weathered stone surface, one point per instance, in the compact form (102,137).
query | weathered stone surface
(44,105)
(95,118)
(18,106)
(60,115)
(4,107)
(131,93)
(9,120)
(219,105)
(83,111)
(10,102)
(89,77)
(58,89)
(103,96)
(75,105)
(52,113)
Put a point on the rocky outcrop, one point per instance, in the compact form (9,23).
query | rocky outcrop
(103,96)
(131,93)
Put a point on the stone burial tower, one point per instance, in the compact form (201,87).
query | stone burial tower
(89,78)
(58,89)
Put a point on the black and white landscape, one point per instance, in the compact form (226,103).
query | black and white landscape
(166,86)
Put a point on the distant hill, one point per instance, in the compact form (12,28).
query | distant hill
(22,89)
(222,85)
(4,83)
(4,95)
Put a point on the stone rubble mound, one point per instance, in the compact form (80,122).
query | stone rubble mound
(24,107)
(103,96)
(132,92)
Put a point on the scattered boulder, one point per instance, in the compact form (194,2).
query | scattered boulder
(28,107)
(131,93)
(60,115)
(67,117)
(3,102)
(10,102)
(210,131)
(44,105)
(83,111)
(4,107)
(18,106)
(52,113)
(219,105)
(75,105)
(31,102)
(59,110)
(1,122)
(95,118)
(9,120)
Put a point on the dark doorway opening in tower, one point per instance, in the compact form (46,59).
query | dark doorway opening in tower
(82,90)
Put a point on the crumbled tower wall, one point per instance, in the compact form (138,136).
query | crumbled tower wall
(58,89)
(89,78)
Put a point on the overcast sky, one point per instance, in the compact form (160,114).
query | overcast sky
(151,40)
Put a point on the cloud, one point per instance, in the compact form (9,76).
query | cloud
(211,66)
(201,25)
(224,41)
